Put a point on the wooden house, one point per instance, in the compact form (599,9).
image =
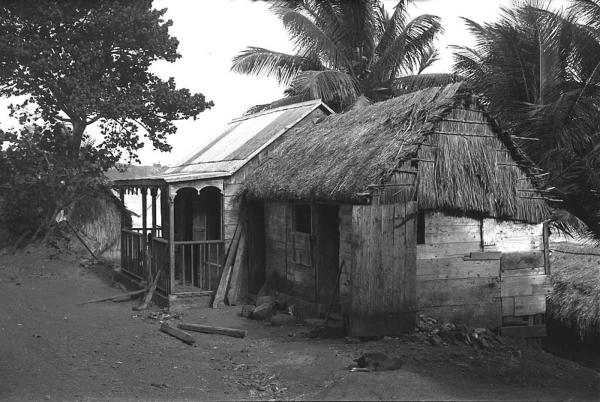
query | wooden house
(417,204)
(193,209)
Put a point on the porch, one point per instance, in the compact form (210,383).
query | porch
(179,236)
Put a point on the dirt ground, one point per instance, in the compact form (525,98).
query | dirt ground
(53,349)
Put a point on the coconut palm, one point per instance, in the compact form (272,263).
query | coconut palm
(345,49)
(539,74)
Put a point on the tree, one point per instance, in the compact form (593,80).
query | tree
(539,74)
(80,62)
(346,48)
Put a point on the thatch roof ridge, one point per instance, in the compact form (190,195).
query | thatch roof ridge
(343,155)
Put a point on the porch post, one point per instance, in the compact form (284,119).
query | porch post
(172,240)
(122,198)
(145,232)
(153,197)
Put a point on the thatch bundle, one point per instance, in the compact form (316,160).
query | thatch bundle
(575,300)
(464,163)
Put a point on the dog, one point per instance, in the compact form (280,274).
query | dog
(376,362)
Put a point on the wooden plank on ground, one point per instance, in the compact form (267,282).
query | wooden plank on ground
(456,267)
(134,293)
(528,259)
(177,333)
(209,329)
(524,331)
(525,285)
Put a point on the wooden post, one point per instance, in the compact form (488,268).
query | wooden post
(122,198)
(172,240)
(153,193)
(546,240)
(145,233)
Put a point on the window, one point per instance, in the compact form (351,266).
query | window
(301,218)
(421,228)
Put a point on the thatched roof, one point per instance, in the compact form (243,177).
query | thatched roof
(465,164)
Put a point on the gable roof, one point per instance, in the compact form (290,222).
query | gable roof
(240,141)
(465,163)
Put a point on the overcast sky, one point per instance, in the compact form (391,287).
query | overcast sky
(211,32)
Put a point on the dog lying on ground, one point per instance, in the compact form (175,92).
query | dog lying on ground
(374,361)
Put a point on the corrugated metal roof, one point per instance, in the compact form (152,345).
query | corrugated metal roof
(241,140)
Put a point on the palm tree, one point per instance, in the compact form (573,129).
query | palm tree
(539,74)
(345,49)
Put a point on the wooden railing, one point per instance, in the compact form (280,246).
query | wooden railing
(198,265)
(132,253)
(159,259)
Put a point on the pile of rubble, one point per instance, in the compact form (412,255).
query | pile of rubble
(431,331)
(270,309)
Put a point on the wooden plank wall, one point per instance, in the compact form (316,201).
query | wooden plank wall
(288,274)
(347,244)
(503,285)
(450,288)
(382,275)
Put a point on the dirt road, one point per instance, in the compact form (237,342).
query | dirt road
(53,349)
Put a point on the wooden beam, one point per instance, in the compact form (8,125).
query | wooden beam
(145,268)
(177,333)
(134,293)
(172,243)
(153,192)
(209,329)
(546,241)
(235,284)
(226,272)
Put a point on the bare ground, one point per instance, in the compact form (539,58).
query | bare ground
(53,349)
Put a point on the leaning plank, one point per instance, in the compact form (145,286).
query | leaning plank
(150,293)
(226,274)
(177,333)
(208,329)
(524,331)
(134,293)
(235,284)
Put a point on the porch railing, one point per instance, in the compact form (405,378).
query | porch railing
(132,253)
(198,265)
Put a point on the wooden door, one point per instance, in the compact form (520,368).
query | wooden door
(383,270)
(326,252)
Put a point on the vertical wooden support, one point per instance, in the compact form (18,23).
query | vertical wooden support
(153,192)
(145,233)
(546,240)
(123,251)
(172,240)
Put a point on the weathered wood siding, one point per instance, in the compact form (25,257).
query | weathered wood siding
(347,243)
(502,283)
(287,274)
(382,274)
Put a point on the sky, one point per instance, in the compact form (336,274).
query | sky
(212,32)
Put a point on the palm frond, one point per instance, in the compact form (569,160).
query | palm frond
(282,66)
(329,85)
(412,83)
(310,39)
(393,26)
(408,48)
(588,11)
(430,55)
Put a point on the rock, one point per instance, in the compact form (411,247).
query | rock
(264,300)
(263,311)
(435,340)
(247,310)
(283,319)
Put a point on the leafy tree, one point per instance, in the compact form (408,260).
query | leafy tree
(80,62)
(539,74)
(346,48)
